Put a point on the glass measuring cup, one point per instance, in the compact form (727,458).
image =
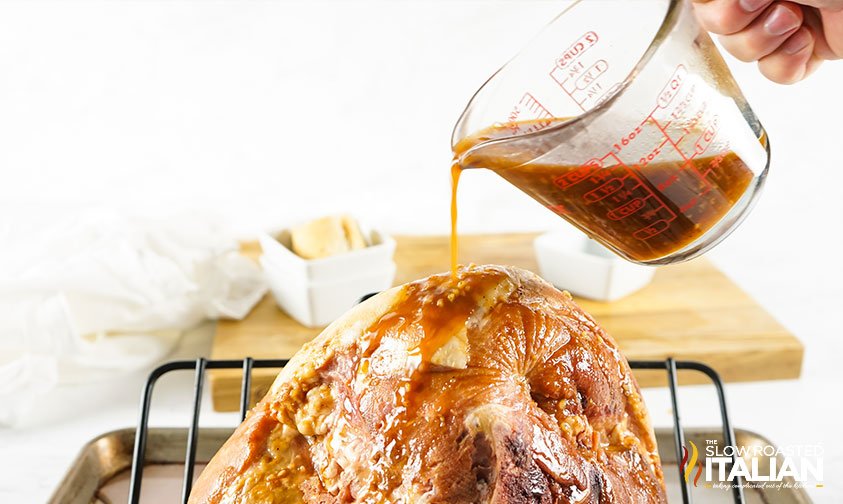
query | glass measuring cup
(623,118)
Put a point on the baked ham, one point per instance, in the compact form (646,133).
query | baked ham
(493,387)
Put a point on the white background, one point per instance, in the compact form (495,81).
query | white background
(268,112)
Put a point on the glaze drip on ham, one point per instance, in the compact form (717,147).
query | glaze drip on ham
(493,387)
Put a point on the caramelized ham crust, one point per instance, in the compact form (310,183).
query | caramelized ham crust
(491,388)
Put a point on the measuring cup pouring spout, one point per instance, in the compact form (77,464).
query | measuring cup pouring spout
(635,132)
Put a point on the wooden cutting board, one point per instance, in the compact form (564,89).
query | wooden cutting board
(690,311)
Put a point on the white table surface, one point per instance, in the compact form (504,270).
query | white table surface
(157,107)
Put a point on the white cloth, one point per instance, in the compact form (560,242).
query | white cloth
(103,292)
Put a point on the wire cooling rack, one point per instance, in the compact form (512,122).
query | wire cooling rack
(668,365)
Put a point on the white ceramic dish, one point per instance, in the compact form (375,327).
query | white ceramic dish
(278,250)
(585,268)
(317,291)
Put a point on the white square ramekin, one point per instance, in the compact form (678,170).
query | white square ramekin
(317,291)
(571,261)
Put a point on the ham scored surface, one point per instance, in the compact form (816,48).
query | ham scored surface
(494,388)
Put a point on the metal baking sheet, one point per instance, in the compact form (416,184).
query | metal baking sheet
(100,474)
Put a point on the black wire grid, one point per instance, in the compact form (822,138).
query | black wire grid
(200,365)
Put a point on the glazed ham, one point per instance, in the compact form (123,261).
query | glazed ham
(493,387)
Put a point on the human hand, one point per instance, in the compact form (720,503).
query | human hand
(789,40)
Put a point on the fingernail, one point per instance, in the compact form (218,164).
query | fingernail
(798,41)
(752,5)
(780,21)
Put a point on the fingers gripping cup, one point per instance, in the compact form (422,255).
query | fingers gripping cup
(622,118)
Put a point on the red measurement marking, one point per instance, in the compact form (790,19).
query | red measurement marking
(714,163)
(559,209)
(633,174)
(560,79)
(584,43)
(578,175)
(603,191)
(594,92)
(626,209)
(691,204)
(580,78)
(667,183)
(528,108)
(663,129)
(589,76)
(652,230)
(671,89)
(532,104)
(621,195)
(649,214)
(664,99)
(680,109)
(644,161)
(600,176)
(695,119)
(609,93)
(707,137)
(689,166)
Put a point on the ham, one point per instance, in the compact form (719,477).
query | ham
(491,387)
